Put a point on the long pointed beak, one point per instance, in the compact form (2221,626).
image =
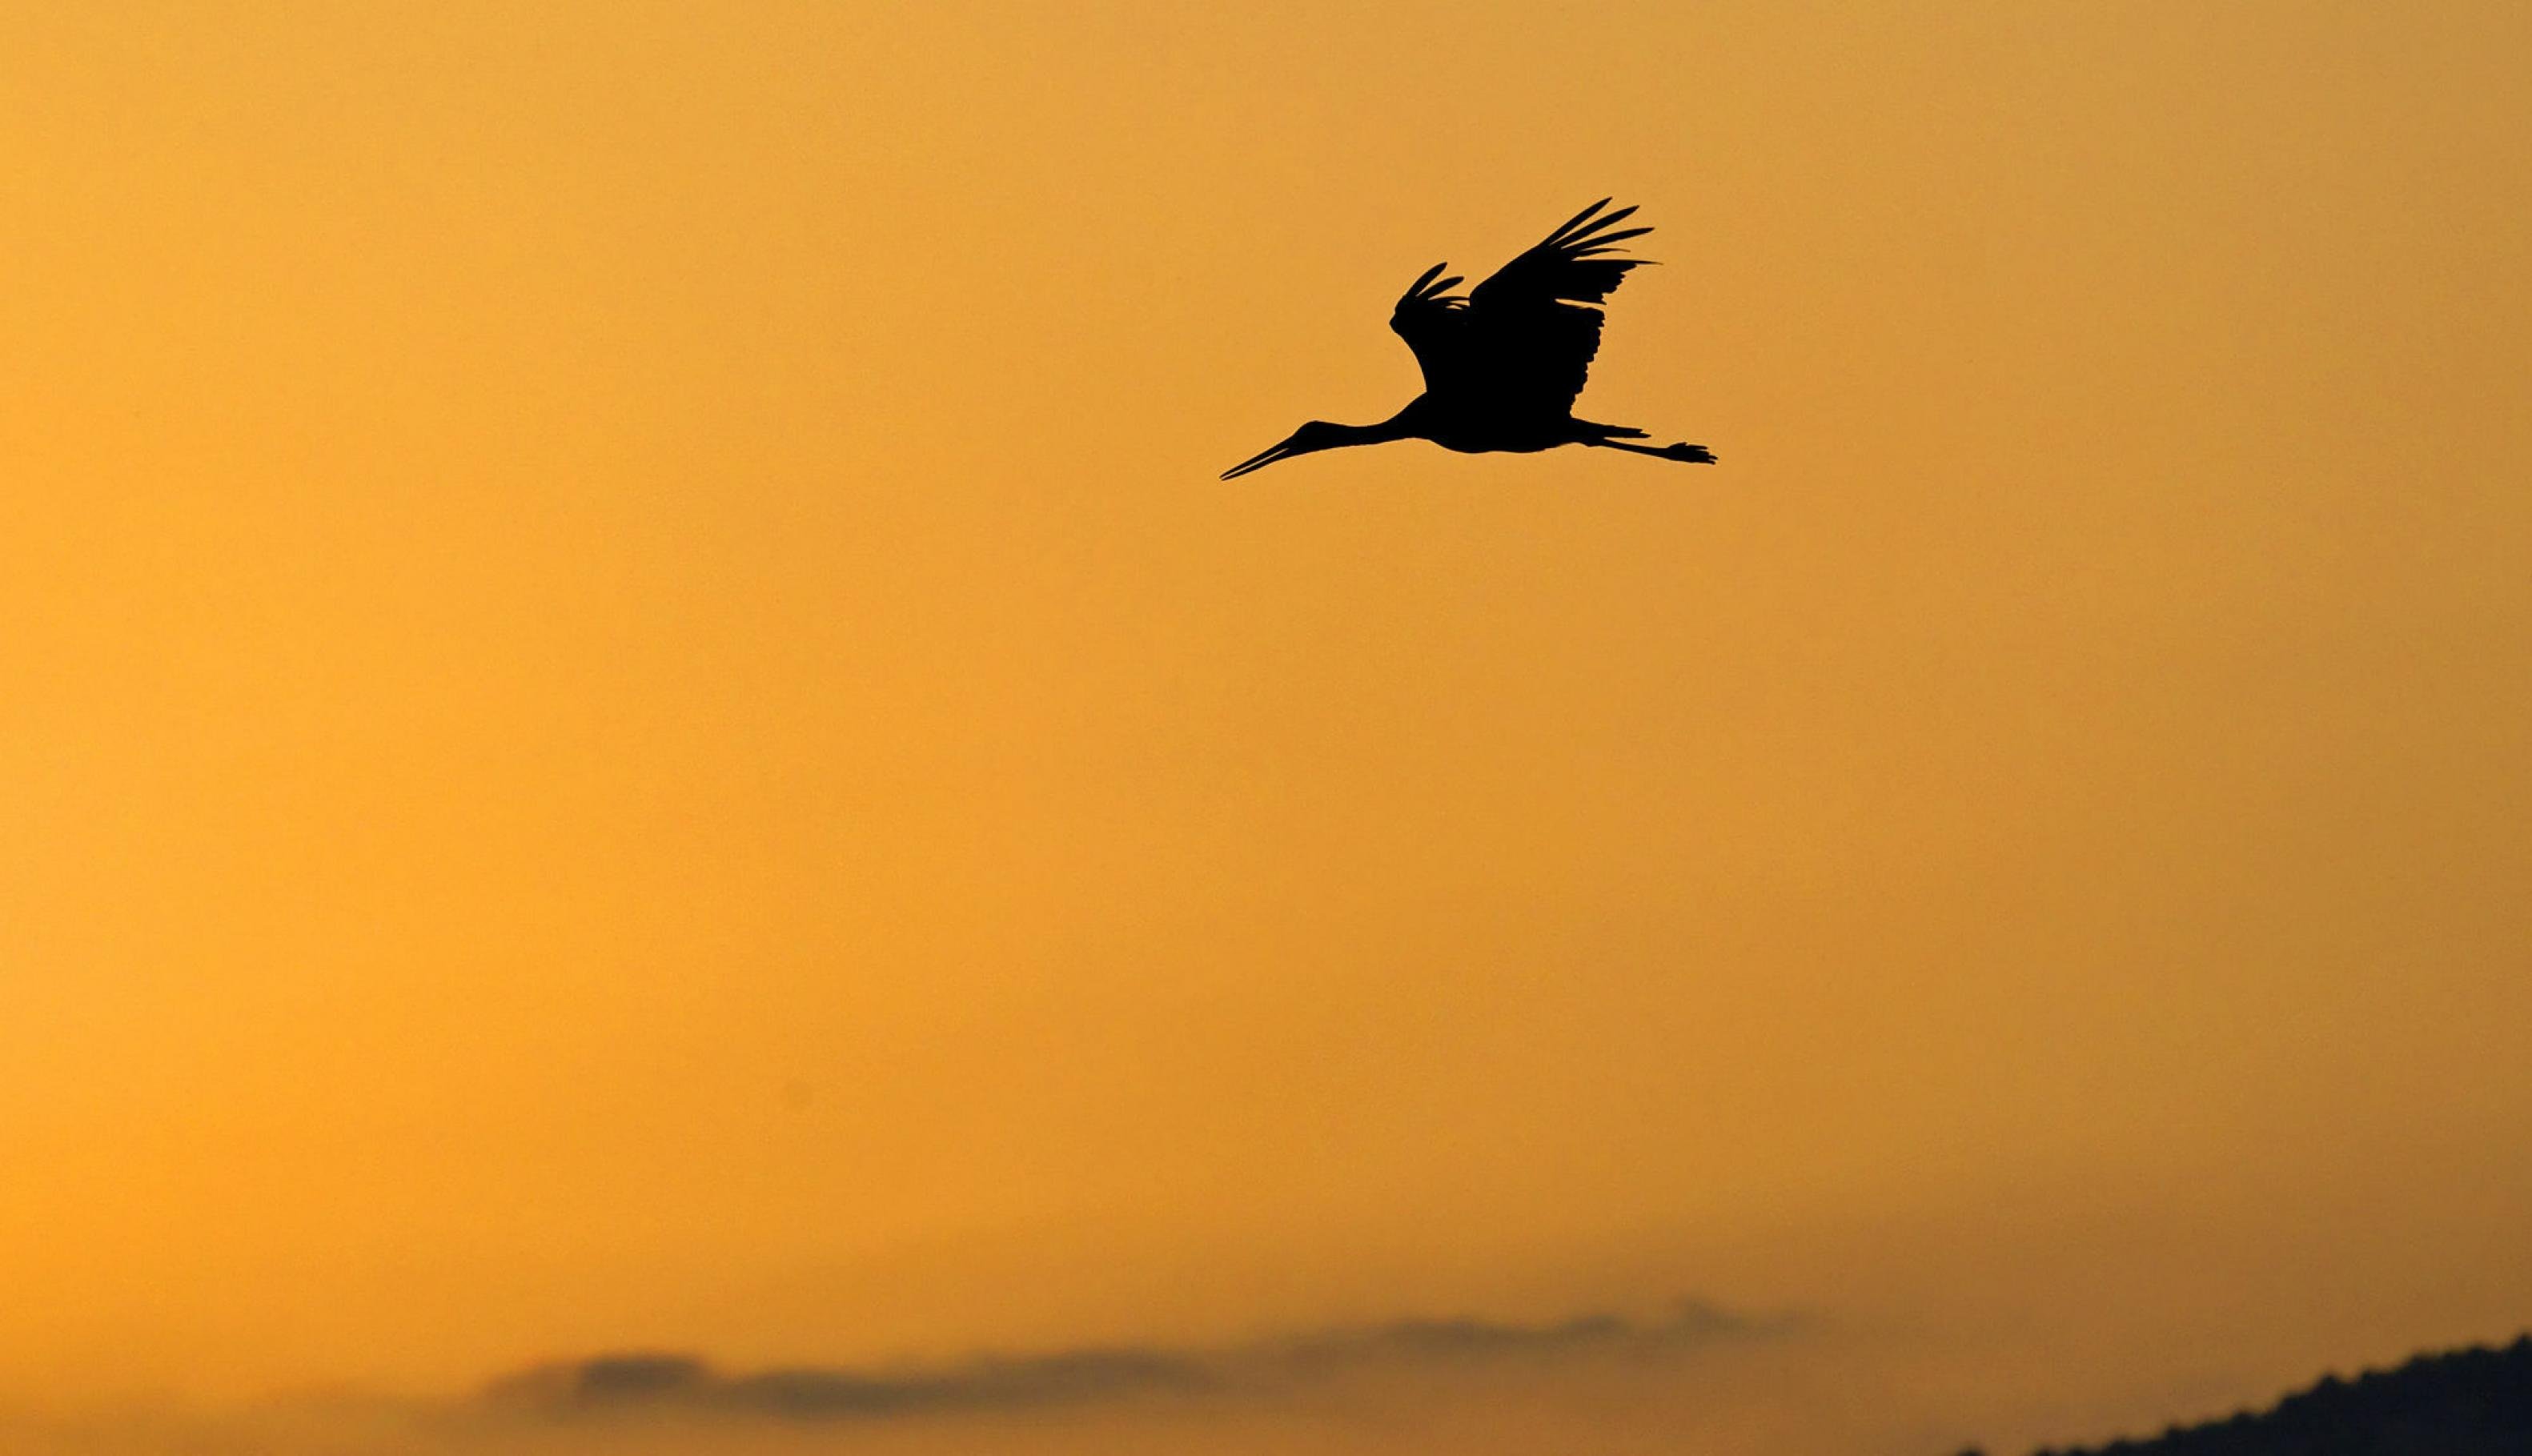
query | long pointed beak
(1258,461)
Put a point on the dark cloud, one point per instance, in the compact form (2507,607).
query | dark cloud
(620,1382)
(1688,1322)
(658,1382)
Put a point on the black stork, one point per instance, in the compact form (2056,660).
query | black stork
(1504,365)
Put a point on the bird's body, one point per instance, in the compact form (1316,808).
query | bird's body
(1504,365)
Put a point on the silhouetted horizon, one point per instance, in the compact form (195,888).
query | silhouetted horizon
(2471,1401)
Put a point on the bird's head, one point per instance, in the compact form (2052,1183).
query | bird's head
(1316,435)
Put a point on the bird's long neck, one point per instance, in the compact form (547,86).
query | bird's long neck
(1400,426)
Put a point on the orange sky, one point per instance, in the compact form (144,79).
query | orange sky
(636,720)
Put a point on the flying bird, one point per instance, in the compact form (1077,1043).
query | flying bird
(1504,364)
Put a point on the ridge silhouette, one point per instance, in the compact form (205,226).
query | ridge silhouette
(2470,1402)
(1504,364)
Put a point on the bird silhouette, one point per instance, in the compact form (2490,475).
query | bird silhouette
(1504,364)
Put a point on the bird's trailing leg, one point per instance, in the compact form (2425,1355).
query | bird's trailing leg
(1686,454)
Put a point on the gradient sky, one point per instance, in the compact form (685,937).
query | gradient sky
(635,720)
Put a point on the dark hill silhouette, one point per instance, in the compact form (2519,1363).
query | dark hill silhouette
(2474,1402)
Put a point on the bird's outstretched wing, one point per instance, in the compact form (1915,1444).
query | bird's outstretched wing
(1432,319)
(1521,342)
(1568,265)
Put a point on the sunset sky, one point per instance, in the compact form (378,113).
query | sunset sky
(635,722)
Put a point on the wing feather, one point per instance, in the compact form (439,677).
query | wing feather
(1530,320)
(1434,321)
(1521,342)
